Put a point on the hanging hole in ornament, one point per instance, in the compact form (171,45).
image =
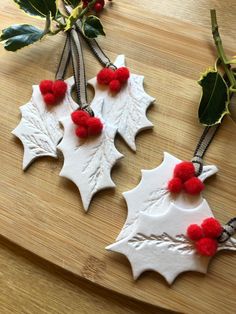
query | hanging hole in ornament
(74,95)
(90,93)
(111,66)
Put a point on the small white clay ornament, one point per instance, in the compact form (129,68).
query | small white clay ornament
(126,110)
(39,129)
(88,162)
(154,235)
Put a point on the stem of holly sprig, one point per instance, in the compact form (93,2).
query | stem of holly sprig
(47,25)
(87,8)
(61,26)
(221,53)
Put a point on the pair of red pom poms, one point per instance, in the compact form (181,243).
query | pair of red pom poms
(184,179)
(205,236)
(52,92)
(86,125)
(115,79)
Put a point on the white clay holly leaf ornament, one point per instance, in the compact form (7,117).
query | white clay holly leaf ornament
(151,195)
(154,234)
(88,163)
(159,242)
(126,110)
(39,129)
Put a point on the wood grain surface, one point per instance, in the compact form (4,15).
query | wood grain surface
(170,43)
(32,285)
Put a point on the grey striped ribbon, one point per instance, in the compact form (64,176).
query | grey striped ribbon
(228,230)
(92,43)
(78,68)
(203,144)
(73,50)
(64,60)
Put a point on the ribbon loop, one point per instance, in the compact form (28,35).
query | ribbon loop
(228,230)
(202,146)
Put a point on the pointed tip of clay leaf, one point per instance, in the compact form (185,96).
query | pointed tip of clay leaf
(120,61)
(109,247)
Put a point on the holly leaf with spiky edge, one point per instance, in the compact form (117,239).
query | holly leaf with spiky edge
(157,198)
(215,98)
(39,129)
(92,27)
(125,110)
(16,37)
(38,8)
(88,163)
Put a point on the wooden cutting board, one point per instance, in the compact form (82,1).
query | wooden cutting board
(170,43)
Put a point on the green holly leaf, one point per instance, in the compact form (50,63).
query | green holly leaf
(92,27)
(215,98)
(18,36)
(38,7)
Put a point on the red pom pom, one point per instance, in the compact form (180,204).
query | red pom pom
(193,186)
(184,170)
(81,131)
(122,74)
(49,99)
(105,76)
(45,86)
(211,228)
(115,86)
(175,185)
(194,232)
(206,246)
(59,88)
(95,126)
(80,117)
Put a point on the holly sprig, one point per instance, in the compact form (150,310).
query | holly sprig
(218,83)
(56,19)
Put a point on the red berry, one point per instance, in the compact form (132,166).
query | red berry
(184,170)
(98,7)
(193,186)
(59,88)
(175,185)
(85,4)
(80,117)
(105,76)
(102,2)
(211,227)
(49,99)
(81,131)
(206,246)
(94,125)
(194,232)
(45,86)
(122,75)
(115,86)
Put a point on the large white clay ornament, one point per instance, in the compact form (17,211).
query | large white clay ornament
(154,235)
